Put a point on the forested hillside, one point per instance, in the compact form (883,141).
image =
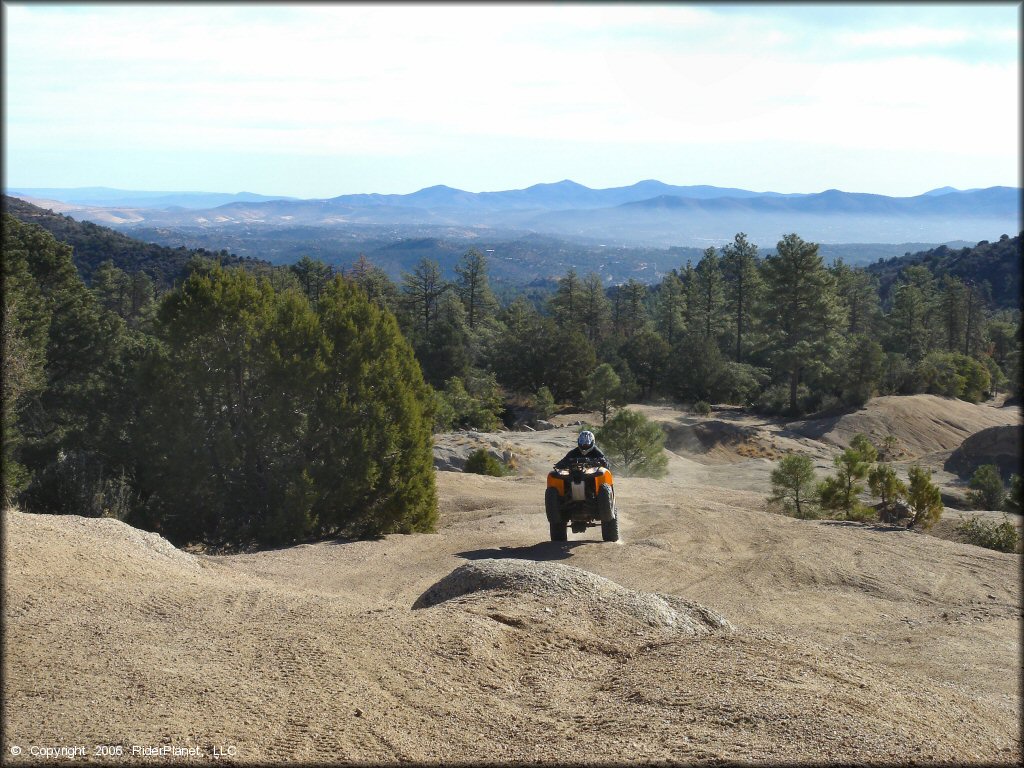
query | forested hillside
(92,245)
(252,402)
(996,264)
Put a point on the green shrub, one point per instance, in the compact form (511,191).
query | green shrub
(543,403)
(634,444)
(481,462)
(701,408)
(988,491)
(923,498)
(1002,537)
(793,485)
(1014,497)
(953,375)
(839,493)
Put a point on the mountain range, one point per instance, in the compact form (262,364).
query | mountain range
(649,213)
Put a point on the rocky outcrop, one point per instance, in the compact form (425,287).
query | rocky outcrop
(996,445)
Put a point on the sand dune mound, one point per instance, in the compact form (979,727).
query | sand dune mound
(573,587)
(103,540)
(995,445)
(920,423)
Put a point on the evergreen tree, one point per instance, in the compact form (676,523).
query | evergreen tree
(313,276)
(375,283)
(808,317)
(634,445)
(840,491)
(604,390)
(793,485)
(742,288)
(26,324)
(913,313)
(923,498)
(857,289)
(633,313)
(473,287)
(72,409)
(885,485)
(709,295)
(375,467)
(987,490)
(422,290)
(953,305)
(861,370)
(594,308)
(565,304)
(268,421)
(648,356)
(668,314)
(698,367)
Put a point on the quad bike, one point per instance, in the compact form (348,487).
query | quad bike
(582,496)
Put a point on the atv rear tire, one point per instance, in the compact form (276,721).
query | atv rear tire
(558,532)
(605,504)
(610,530)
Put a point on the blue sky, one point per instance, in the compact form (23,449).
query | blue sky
(320,100)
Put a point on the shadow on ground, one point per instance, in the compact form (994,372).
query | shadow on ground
(545,550)
(881,527)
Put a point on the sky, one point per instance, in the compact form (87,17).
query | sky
(325,99)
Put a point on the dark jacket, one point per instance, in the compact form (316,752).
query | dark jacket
(593,457)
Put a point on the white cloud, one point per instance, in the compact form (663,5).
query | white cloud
(405,79)
(905,37)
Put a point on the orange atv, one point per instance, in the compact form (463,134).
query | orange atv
(584,496)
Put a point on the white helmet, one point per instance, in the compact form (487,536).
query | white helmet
(586,442)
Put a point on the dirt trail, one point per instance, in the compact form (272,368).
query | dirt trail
(844,641)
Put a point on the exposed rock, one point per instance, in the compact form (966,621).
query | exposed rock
(995,445)
(575,589)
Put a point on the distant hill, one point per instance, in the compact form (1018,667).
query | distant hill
(997,263)
(93,244)
(119,198)
(646,214)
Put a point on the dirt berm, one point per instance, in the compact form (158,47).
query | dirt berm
(713,631)
(996,445)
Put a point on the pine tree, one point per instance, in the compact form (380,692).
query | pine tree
(669,316)
(743,287)
(953,304)
(633,313)
(709,295)
(594,308)
(565,304)
(603,390)
(375,283)
(634,445)
(421,292)
(473,287)
(313,276)
(801,293)
(793,485)
(923,498)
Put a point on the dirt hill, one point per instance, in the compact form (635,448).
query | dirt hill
(712,631)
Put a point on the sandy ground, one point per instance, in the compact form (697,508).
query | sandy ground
(841,642)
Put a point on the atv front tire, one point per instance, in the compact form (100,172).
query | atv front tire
(605,504)
(558,532)
(553,506)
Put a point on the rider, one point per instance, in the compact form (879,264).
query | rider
(586,448)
